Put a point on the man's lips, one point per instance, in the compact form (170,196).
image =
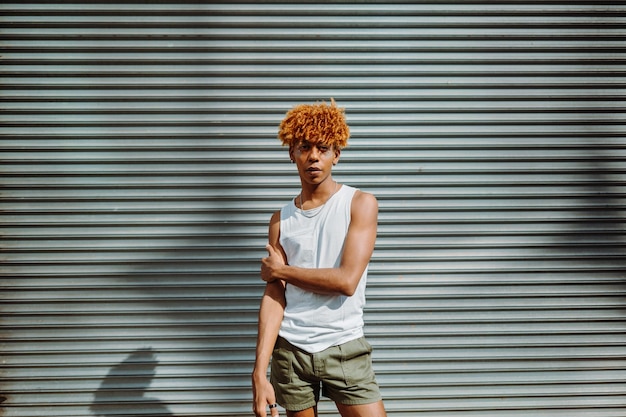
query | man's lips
(313,169)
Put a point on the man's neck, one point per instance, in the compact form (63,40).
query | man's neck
(317,195)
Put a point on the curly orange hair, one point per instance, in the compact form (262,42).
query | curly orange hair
(318,122)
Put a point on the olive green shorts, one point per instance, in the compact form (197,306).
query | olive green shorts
(344,373)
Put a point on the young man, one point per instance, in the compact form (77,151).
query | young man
(311,314)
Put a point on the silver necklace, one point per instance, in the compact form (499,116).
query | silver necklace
(332,194)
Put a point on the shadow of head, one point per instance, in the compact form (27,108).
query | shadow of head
(123,390)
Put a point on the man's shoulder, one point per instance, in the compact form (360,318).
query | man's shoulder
(364,197)
(364,202)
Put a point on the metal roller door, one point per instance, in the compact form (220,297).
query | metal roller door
(140,169)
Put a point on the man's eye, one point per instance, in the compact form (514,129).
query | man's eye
(323,149)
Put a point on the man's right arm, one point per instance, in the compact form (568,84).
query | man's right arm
(270,317)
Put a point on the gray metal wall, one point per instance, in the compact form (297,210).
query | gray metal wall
(140,169)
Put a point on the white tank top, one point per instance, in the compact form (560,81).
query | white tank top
(314,239)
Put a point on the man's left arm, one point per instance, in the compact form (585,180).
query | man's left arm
(358,249)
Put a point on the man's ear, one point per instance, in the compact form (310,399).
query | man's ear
(293,159)
(337,155)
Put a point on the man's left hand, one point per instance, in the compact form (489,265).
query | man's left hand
(270,264)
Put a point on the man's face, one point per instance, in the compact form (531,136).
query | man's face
(314,160)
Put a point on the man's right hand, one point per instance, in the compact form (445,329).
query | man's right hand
(263,396)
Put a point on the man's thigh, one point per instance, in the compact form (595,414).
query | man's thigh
(376,409)
(309,412)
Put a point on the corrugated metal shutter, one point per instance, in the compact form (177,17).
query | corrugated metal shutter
(140,168)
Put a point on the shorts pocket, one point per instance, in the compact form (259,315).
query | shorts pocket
(356,362)
(281,365)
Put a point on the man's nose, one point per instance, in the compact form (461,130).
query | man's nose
(314,154)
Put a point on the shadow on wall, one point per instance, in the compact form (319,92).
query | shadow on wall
(123,389)
(603,220)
